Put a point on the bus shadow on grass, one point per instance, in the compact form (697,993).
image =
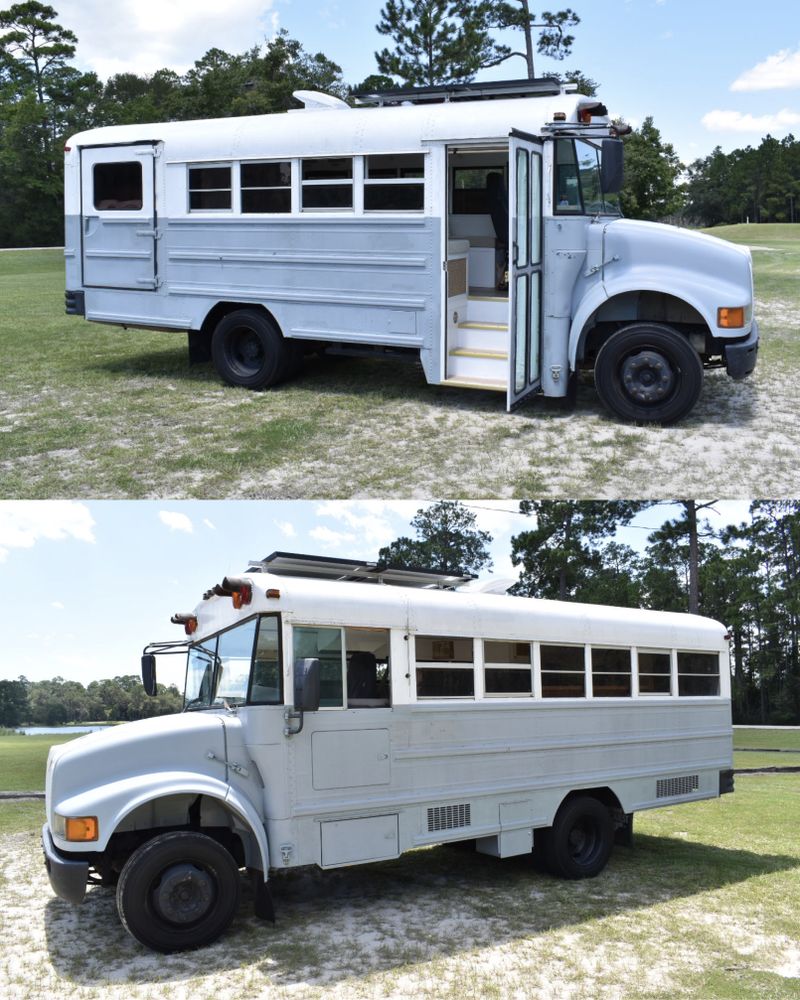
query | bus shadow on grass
(428,905)
(721,403)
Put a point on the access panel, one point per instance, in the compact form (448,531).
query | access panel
(350,759)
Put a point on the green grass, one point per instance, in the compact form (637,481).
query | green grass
(92,410)
(23,760)
(775,738)
(21,815)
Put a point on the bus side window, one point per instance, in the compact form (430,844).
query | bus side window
(698,673)
(368,676)
(568,190)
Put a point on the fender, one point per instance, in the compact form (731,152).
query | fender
(112,802)
(704,296)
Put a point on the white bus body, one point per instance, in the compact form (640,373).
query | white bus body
(386,230)
(439,716)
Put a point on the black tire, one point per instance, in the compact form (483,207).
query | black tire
(648,373)
(248,350)
(178,891)
(579,843)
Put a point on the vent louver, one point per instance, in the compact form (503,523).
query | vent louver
(448,817)
(668,787)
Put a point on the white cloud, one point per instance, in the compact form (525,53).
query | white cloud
(57,604)
(25,523)
(776,72)
(175,521)
(286,528)
(373,522)
(736,121)
(209,524)
(329,539)
(141,36)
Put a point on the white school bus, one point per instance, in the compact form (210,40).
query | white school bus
(473,229)
(338,713)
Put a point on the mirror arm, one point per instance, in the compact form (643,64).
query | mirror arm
(290,715)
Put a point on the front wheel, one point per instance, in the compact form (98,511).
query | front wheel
(178,891)
(648,373)
(578,844)
(249,351)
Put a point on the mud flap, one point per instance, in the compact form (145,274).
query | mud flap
(263,906)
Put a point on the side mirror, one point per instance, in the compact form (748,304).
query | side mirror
(149,673)
(612,174)
(306,685)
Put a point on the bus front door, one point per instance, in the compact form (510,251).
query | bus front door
(525,266)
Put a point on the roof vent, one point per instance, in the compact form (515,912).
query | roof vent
(314,100)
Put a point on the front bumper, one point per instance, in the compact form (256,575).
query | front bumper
(741,355)
(67,876)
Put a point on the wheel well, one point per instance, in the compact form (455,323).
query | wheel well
(644,306)
(604,795)
(201,813)
(222,309)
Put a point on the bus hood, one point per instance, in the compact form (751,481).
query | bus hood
(651,256)
(167,743)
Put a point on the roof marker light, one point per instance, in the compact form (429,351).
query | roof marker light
(189,622)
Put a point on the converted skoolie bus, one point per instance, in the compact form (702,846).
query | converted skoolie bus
(474,228)
(330,721)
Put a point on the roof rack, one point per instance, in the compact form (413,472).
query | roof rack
(546,86)
(356,570)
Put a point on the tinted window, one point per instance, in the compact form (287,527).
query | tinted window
(563,673)
(698,673)
(209,187)
(118,186)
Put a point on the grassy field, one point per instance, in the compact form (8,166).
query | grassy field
(774,738)
(706,904)
(23,760)
(89,410)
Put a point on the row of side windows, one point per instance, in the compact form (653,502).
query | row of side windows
(445,668)
(391,183)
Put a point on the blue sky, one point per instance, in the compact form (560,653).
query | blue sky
(710,72)
(84,586)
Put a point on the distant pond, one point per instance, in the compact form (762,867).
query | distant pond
(57,730)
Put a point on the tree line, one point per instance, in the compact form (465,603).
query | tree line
(759,184)
(59,702)
(744,575)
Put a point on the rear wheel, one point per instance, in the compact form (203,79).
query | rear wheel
(648,373)
(178,891)
(578,844)
(249,351)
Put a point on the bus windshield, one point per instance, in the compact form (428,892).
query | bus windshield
(577,178)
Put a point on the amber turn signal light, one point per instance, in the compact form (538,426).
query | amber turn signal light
(730,317)
(81,828)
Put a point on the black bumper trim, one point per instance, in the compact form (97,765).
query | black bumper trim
(725,781)
(741,355)
(74,303)
(67,877)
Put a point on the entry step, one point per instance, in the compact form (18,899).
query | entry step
(494,385)
(473,352)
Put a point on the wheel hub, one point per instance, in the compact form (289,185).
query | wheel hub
(247,351)
(184,894)
(648,377)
